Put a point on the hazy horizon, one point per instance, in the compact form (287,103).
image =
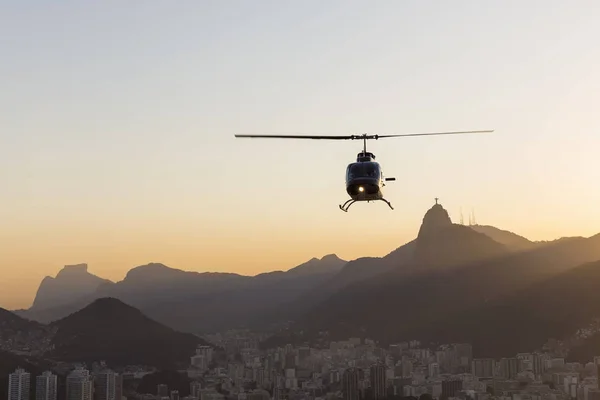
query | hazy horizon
(117,147)
(116,278)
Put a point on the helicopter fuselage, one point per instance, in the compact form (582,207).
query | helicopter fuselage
(364,178)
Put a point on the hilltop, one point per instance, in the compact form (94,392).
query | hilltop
(111,330)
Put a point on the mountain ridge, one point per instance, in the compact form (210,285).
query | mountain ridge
(445,271)
(120,334)
(155,287)
(455,269)
(106,330)
(363,309)
(71,282)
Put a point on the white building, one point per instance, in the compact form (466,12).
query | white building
(19,383)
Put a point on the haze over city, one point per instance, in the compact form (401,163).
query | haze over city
(117,147)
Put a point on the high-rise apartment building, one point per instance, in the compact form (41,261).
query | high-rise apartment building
(46,386)
(378,381)
(483,367)
(509,368)
(19,384)
(108,385)
(350,384)
(80,385)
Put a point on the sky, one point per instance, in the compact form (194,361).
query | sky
(117,128)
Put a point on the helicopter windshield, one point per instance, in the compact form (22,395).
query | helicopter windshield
(363,170)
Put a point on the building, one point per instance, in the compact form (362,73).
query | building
(350,384)
(108,385)
(46,386)
(195,388)
(162,391)
(464,354)
(407,367)
(378,381)
(433,370)
(509,368)
(450,388)
(80,385)
(483,367)
(19,384)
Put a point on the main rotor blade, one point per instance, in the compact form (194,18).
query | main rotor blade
(432,134)
(298,137)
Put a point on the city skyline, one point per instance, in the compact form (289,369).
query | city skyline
(353,369)
(117,144)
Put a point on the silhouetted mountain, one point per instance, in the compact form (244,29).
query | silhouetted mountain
(436,219)
(19,334)
(511,240)
(48,315)
(72,283)
(455,271)
(252,304)
(11,322)
(329,264)
(442,244)
(111,330)
(204,301)
(354,271)
(523,321)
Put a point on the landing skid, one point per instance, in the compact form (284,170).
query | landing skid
(348,203)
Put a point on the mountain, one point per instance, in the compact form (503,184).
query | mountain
(442,244)
(12,323)
(21,335)
(111,330)
(555,307)
(454,272)
(352,272)
(511,240)
(204,301)
(71,283)
(439,243)
(253,303)
(331,263)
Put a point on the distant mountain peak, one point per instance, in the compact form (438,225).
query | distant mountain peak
(153,265)
(152,271)
(108,302)
(330,257)
(71,283)
(511,240)
(329,263)
(435,220)
(109,329)
(74,269)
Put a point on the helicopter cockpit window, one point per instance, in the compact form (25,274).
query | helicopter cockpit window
(363,170)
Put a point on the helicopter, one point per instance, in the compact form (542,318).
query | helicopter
(364,178)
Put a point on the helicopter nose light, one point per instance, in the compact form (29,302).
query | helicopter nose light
(361,189)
